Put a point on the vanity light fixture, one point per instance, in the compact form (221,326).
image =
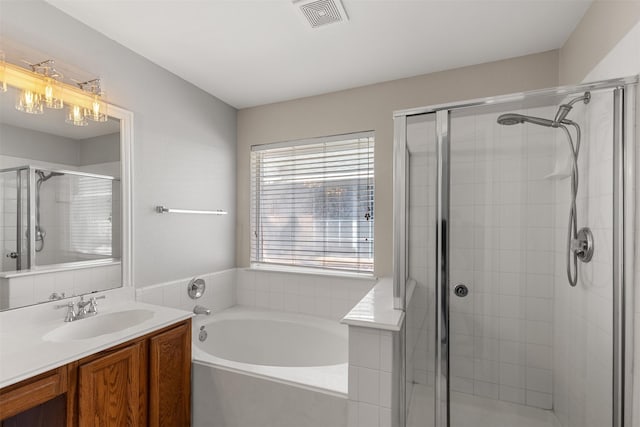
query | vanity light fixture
(44,93)
(76,116)
(52,85)
(41,86)
(29,102)
(98,110)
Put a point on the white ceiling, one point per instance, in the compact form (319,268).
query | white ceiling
(253,52)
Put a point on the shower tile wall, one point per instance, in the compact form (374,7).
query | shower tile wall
(582,332)
(420,332)
(9,212)
(502,249)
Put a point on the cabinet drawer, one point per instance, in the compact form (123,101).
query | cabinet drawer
(32,392)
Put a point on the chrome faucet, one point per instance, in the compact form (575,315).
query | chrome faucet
(82,309)
(198,309)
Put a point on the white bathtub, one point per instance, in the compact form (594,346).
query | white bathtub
(267,368)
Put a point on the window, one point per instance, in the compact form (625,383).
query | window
(312,203)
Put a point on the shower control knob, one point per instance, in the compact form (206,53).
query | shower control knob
(461,290)
(12,255)
(203,334)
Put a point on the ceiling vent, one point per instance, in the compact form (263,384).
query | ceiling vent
(322,12)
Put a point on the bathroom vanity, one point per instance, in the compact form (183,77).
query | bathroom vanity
(138,376)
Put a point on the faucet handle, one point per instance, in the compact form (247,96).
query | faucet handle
(58,306)
(93,305)
(71,312)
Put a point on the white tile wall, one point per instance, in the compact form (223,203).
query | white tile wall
(220,292)
(582,335)
(370,365)
(328,297)
(27,290)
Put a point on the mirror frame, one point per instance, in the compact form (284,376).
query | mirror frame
(126,183)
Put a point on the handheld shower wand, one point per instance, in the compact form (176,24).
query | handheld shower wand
(579,242)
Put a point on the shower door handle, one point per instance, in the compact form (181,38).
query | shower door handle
(461,290)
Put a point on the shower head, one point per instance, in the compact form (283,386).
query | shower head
(510,119)
(560,118)
(515,119)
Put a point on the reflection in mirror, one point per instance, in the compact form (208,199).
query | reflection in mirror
(60,204)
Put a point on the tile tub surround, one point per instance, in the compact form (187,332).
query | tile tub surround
(331,297)
(372,325)
(228,399)
(220,292)
(370,378)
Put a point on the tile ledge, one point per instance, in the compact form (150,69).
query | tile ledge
(376,310)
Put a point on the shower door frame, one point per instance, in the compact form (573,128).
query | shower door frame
(625,110)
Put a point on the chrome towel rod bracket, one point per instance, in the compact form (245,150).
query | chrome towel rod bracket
(163,209)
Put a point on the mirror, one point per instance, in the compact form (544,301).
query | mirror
(64,220)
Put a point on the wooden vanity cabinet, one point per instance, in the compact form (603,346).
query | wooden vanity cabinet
(170,377)
(145,381)
(109,388)
(35,402)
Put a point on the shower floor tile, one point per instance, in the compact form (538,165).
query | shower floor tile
(473,411)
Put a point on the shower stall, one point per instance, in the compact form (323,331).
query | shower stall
(52,217)
(513,259)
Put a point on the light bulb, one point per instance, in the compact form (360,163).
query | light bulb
(29,102)
(75,116)
(52,94)
(98,110)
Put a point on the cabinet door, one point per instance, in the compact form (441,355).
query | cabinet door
(108,389)
(170,377)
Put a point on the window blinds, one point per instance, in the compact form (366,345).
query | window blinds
(312,203)
(91,213)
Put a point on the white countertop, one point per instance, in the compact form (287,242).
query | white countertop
(24,353)
(376,310)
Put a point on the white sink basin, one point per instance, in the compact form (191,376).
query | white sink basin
(101,324)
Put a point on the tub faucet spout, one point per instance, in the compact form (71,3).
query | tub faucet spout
(198,309)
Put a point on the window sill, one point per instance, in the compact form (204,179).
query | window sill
(310,271)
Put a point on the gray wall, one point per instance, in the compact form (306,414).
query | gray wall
(100,149)
(184,144)
(31,144)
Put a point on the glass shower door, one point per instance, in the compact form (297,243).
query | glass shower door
(501,269)
(13,231)
(527,347)
(421,180)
